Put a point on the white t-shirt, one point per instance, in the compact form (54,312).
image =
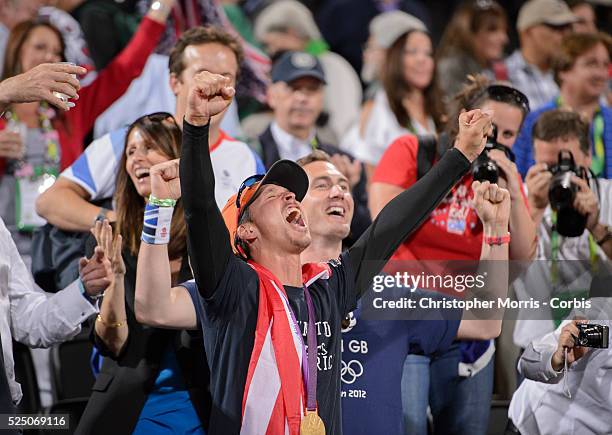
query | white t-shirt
(574,271)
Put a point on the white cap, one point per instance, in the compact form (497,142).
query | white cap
(389,26)
(286,14)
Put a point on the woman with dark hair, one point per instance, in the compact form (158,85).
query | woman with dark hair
(473,40)
(152,380)
(458,383)
(38,141)
(408,100)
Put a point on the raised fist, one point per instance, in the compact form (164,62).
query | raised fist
(474,126)
(210,95)
(165,180)
(492,204)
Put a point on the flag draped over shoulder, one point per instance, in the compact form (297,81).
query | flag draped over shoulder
(274,393)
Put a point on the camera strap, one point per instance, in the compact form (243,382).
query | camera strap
(554,251)
(566,390)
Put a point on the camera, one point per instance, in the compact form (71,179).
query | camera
(485,169)
(562,192)
(592,335)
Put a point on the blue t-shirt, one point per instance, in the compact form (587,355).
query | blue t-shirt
(373,354)
(168,409)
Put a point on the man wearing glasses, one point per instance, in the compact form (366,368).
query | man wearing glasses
(541,24)
(252,313)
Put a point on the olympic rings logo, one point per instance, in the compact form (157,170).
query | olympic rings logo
(351,371)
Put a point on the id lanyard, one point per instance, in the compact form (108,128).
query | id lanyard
(314,143)
(31,180)
(554,251)
(598,160)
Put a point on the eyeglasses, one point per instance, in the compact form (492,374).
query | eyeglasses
(249,182)
(506,94)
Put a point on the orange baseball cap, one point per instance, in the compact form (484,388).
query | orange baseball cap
(285,173)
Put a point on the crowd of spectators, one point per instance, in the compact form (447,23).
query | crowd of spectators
(94,95)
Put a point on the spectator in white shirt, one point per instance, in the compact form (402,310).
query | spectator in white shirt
(27,314)
(556,401)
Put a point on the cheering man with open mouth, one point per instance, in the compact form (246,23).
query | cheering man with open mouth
(271,326)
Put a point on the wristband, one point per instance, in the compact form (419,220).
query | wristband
(156,226)
(161,202)
(497,240)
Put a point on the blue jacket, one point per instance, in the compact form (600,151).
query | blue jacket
(523,147)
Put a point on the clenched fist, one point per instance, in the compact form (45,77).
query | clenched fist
(492,204)
(165,180)
(474,126)
(210,95)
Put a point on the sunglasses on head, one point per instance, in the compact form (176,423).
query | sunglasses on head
(505,94)
(157,117)
(249,182)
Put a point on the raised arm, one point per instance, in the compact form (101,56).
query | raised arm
(493,206)
(112,82)
(207,236)
(157,303)
(408,210)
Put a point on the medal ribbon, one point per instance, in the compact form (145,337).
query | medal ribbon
(309,358)
(311,379)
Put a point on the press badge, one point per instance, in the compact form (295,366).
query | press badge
(27,190)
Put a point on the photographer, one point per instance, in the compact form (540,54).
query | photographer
(576,232)
(567,390)
(563,130)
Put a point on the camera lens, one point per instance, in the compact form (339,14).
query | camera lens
(562,191)
(485,169)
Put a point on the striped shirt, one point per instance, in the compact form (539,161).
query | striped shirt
(96,169)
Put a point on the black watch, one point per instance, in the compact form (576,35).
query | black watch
(607,237)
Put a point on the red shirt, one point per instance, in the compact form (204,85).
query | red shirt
(110,84)
(453,230)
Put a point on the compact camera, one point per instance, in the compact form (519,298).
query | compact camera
(592,335)
(562,192)
(485,169)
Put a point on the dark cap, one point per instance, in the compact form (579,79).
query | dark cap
(285,173)
(297,64)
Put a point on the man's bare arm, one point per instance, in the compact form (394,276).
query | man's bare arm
(66,205)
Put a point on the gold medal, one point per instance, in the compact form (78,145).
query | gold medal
(312,424)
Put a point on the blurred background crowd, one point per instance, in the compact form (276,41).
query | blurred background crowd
(377,85)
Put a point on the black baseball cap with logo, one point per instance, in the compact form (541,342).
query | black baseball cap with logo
(293,65)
